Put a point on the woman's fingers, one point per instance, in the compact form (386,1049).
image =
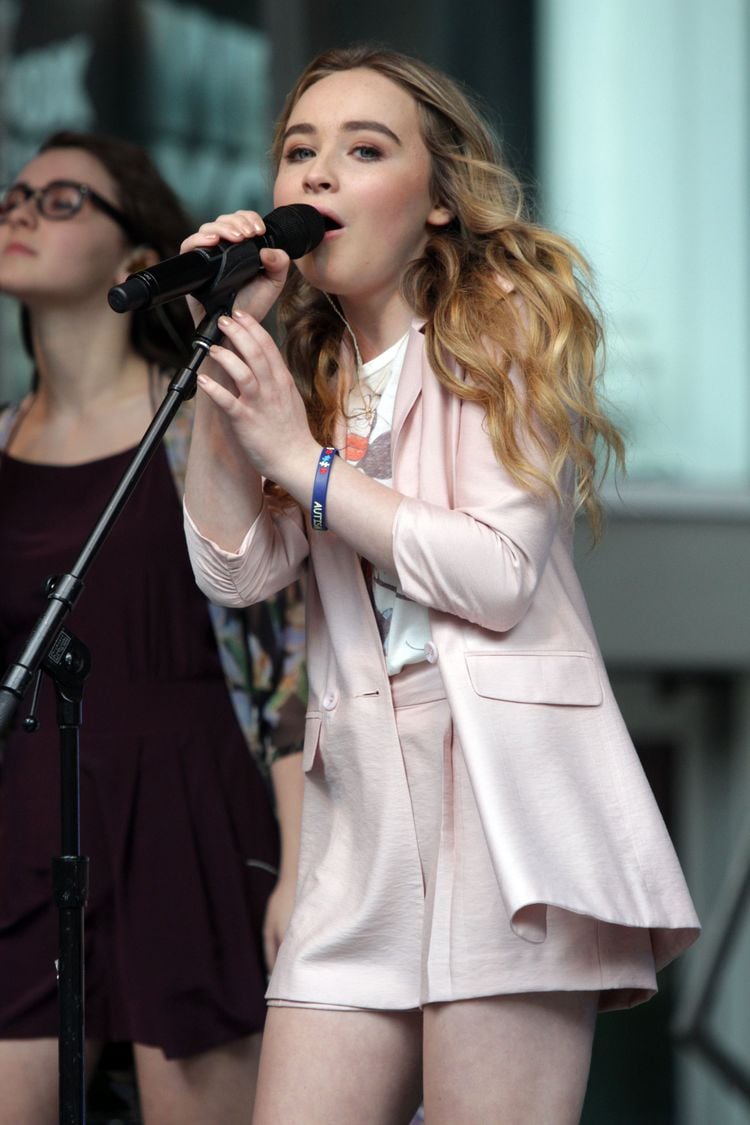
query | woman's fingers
(250,359)
(257,393)
(258,296)
(223,398)
(240,375)
(232,228)
(253,344)
(261,290)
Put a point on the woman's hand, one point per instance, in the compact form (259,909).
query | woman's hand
(261,292)
(259,399)
(235,430)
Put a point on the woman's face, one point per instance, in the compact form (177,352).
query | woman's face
(48,261)
(354,150)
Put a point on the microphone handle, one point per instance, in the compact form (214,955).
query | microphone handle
(239,263)
(217,269)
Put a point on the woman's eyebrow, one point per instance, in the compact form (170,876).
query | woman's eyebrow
(371,126)
(349,127)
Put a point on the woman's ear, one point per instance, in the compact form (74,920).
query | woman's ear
(440,216)
(137,258)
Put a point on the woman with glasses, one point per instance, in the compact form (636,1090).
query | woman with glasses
(176,815)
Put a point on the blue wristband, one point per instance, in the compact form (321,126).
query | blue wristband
(320,489)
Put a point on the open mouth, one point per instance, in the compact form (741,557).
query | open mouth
(331,224)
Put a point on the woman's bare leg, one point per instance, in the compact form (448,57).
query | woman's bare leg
(30,1080)
(332,1068)
(508,1060)
(214,1086)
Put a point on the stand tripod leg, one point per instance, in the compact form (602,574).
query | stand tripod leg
(70,878)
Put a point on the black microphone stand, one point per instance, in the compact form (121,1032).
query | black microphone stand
(52,649)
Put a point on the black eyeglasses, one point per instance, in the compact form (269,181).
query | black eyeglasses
(60,200)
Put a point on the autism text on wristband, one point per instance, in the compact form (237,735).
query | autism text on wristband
(320,489)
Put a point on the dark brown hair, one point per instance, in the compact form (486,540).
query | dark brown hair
(157,219)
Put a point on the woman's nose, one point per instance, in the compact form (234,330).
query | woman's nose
(24,213)
(319,176)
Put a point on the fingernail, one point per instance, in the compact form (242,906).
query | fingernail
(224,321)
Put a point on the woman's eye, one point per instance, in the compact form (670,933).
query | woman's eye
(298,153)
(368,152)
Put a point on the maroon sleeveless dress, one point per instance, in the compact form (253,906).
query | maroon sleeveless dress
(175,817)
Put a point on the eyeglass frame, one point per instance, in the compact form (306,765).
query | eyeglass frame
(85,192)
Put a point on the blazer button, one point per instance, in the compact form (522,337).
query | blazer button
(431,653)
(330,699)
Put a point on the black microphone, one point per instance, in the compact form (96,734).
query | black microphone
(209,271)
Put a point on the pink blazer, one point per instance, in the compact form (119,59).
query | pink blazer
(567,812)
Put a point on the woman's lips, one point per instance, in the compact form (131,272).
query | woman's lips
(332,223)
(18,248)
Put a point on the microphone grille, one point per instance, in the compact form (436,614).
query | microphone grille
(296,228)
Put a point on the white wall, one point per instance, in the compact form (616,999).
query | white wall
(644,116)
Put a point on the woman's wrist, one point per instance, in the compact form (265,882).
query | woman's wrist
(320,488)
(296,473)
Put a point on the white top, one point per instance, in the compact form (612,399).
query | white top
(404,625)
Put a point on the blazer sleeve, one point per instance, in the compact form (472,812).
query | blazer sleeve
(270,557)
(482,559)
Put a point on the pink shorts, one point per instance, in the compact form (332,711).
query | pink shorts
(465,947)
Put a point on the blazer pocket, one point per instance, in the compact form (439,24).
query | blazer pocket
(312,741)
(563,678)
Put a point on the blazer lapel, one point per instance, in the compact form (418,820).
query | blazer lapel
(410,380)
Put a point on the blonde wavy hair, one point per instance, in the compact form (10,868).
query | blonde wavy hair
(495,289)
